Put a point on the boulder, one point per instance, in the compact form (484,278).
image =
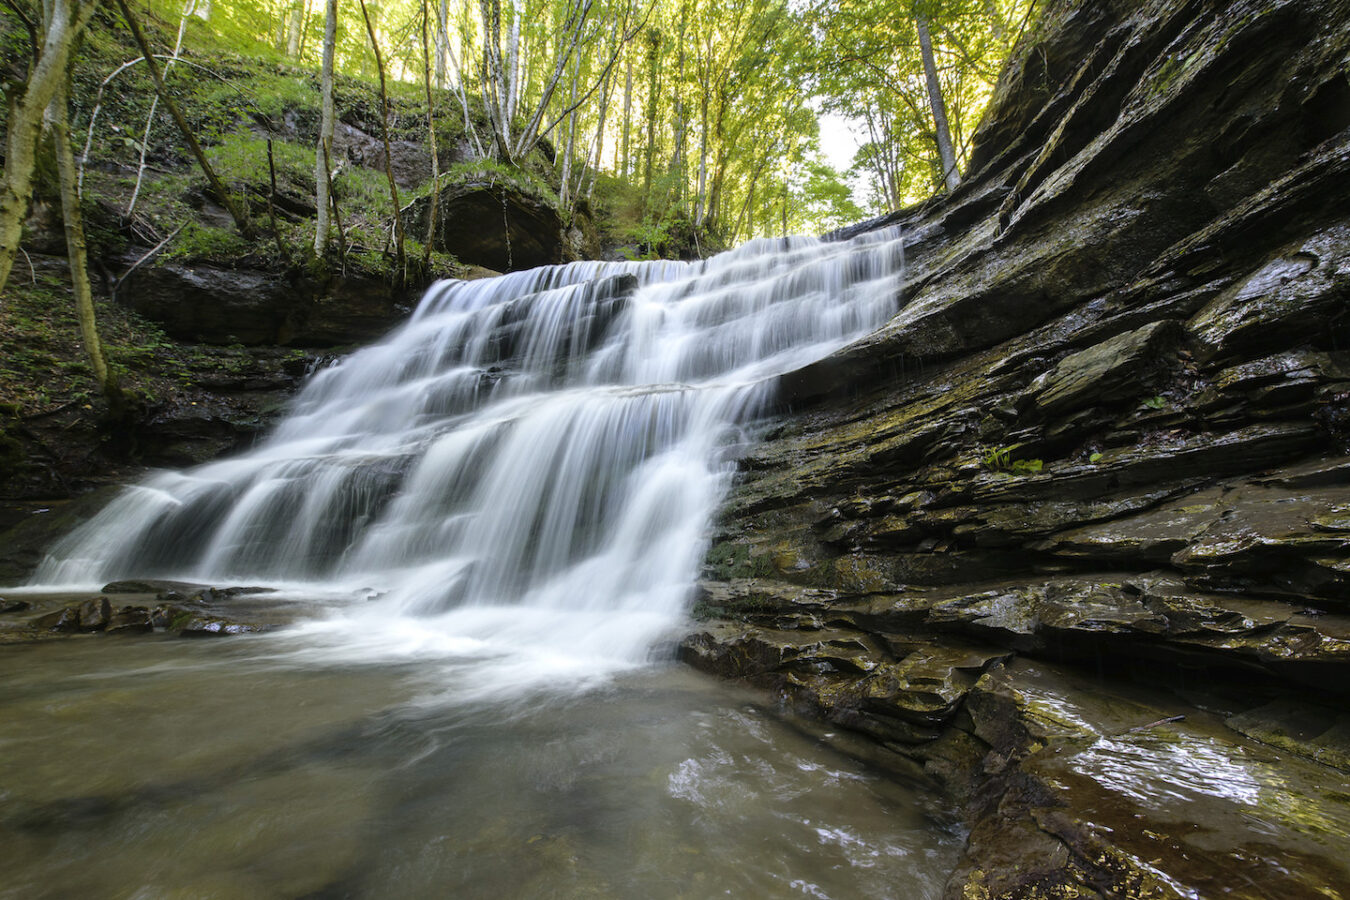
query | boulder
(216,304)
(494,224)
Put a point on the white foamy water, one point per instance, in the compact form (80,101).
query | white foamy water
(523,473)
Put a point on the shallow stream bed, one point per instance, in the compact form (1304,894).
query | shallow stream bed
(249,767)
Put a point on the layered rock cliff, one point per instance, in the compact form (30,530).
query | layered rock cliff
(1070,536)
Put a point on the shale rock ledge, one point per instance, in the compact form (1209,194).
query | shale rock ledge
(1070,536)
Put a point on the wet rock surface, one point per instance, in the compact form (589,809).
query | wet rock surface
(1070,536)
(177,609)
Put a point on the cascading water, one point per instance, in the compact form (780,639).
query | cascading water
(528,465)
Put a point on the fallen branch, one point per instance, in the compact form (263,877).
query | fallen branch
(150,118)
(117,285)
(216,186)
(271,208)
(1166,721)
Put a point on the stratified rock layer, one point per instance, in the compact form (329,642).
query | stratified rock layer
(1092,477)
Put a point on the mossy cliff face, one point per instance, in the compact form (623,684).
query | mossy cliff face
(1092,477)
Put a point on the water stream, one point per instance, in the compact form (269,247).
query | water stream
(524,471)
(490,522)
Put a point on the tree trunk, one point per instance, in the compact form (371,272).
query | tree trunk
(388,150)
(653,63)
(598,152)
(469,128)
(677,166)
(701,200)
(569,146)
(321,153)
(216,186)
(493,76)
(627,115)
(431,141)
(942,133)
(294,27)
(442,42)
(512,69)
(64,23)
(154,106)
(75,247)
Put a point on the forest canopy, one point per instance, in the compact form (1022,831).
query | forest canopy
(314,138)
(694,114)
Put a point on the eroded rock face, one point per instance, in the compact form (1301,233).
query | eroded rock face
(499,227)
(219,305)
(1104,437)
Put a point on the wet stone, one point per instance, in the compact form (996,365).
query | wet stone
(1316,732)
(130,620)
(201,626)
(65,620)
(150,586)
(94,614)
(12,606)
(1110,370)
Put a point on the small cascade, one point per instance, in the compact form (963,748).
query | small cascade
(555,439)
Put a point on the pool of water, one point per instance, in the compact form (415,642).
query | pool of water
(249,767)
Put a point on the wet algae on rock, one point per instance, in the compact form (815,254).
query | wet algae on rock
(1070,536)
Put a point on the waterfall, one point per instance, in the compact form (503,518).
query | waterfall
(554,440)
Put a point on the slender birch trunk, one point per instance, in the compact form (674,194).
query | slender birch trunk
(701,201)
(154,107)
(296,21)
(218,188)
(653,65)
(628,114)
(565,181)
(322,173)
(469,129)
(442,42)
(388,150)
(597,154)
(431,141)
(512,68)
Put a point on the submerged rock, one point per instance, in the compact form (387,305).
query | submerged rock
(162,609)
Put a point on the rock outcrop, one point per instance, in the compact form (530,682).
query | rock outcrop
(219,304)
(502,225)
(1070,535)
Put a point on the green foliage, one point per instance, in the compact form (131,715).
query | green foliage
(198,240)
(1000,459)
(491,171)
(996,458)
(868,68)
(1158,402)
(240,159)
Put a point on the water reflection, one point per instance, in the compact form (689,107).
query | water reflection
(176,769)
